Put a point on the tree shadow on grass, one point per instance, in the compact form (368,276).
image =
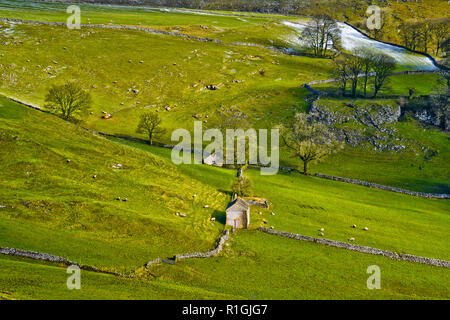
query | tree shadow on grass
(220,216)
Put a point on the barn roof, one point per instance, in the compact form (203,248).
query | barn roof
(239,204)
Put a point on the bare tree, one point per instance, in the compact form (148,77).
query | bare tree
(242,186)
(425,32)
(355,66)
(150,124)
(68,99)
(383,66)
(410,33)
(440,30)
(341,71)
(367,58)
(310,141)
(322,34)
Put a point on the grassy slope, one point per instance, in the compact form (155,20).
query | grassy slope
(289,269)
(77,217)
(99,57)
(73,215)
(23,279)
(306,204)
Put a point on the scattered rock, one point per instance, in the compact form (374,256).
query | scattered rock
(125,199)
(118,198)
(321,234)
(94,176)
(365,228)
(182,215)
(354,226)
(322,229)
(351,239)
(260,212)
(68,160)
(273,213)
(205,206)
(213,219)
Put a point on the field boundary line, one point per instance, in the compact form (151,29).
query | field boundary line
(55,259)
(359,248)
(208,254)
(317,175)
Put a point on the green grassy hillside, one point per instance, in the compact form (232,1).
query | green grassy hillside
(113,203)
(256,84)
(54,206)
(74,215)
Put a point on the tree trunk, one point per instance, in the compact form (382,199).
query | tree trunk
(150,141)
(305,168)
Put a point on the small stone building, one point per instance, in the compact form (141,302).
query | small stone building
(238,214)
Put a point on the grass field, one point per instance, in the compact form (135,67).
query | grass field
(253,83)
(78,217)
(72,208)
(74,215)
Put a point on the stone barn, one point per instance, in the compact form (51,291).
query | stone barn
(238,214)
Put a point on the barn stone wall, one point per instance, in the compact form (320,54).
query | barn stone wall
(363,249)
(52,258)
(208,254)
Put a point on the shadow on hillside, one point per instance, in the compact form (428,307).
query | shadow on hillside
(220,216)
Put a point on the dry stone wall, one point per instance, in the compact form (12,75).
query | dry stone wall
(363,249)
(388,188)
(208,254)
(51,258)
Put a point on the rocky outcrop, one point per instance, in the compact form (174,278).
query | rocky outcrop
(373,115)
(433,116)
(357,124)
(358,248)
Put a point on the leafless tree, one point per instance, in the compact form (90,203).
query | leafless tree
(150,124)
(68,99)
(441,30)
(308,140)
(383,66)
(321,35)
(341,72)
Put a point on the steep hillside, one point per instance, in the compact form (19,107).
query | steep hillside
(70,209)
